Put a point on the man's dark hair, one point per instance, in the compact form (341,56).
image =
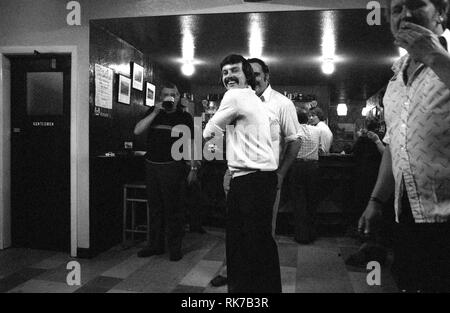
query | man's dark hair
(373,125)
(246,67)
(302,116)
(318,112)
(170,85)
(264,66)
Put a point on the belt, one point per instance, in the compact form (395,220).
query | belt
(305,160)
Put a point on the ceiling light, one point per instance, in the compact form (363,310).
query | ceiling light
(328,21)
(328,67)
(188,69)
(187,45)
(255,31)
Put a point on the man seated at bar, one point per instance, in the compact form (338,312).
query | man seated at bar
(165,176)
(251,251)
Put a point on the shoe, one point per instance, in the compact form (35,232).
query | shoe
(147,252)
(219,281)
(366,254)
(176,256)
(305,239)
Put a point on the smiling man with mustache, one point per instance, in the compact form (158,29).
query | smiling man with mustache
(251,251)
(416,162)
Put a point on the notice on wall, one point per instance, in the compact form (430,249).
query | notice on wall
(103,87)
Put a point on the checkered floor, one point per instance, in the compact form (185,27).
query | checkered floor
(317,268)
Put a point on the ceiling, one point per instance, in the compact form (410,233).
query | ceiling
(290,42)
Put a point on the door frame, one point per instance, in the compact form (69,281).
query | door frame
(5,139)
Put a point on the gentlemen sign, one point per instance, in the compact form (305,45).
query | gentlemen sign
(43,124)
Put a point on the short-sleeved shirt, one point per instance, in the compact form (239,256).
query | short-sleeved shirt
(309,150)
(246,121)
(159,135)
(417,118)
(326,136)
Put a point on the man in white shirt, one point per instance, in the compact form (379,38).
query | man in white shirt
(252,255)
(285,134)
(317,119)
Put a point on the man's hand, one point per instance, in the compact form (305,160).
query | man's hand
(280,176)
(370,218)
(192,177)
(421,43)
(158,107)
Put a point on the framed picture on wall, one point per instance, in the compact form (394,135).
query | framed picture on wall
(149,94)
(138,76)
(124,89)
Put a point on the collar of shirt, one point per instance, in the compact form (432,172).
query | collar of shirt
(267,93)
(444,39)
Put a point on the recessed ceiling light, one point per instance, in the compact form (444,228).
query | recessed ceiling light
(188,69)
(328,67)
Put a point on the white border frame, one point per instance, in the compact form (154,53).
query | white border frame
(149,102)
(125,99)
(137,84)
(5,137)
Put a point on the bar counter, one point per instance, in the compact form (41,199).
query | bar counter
(110,172)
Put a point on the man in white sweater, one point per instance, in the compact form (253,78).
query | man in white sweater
(252,255)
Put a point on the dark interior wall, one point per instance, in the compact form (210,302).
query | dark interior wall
(320,91)
(109,134)
(107,175)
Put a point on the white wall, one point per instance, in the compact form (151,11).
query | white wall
(5,155)
(43,22)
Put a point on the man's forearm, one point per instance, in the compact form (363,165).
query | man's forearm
(384,186)
(289,156)
(440,64)
(380,146)
(144,124)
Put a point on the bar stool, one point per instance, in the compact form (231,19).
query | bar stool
(133,194)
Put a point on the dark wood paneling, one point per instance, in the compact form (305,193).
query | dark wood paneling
(107,175)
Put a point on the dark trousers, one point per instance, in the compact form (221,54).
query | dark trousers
(422,254)
(252,255)
(164,186)
(194,204)
(303,192)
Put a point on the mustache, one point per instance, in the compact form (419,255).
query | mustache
(231,79)
(410,19)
